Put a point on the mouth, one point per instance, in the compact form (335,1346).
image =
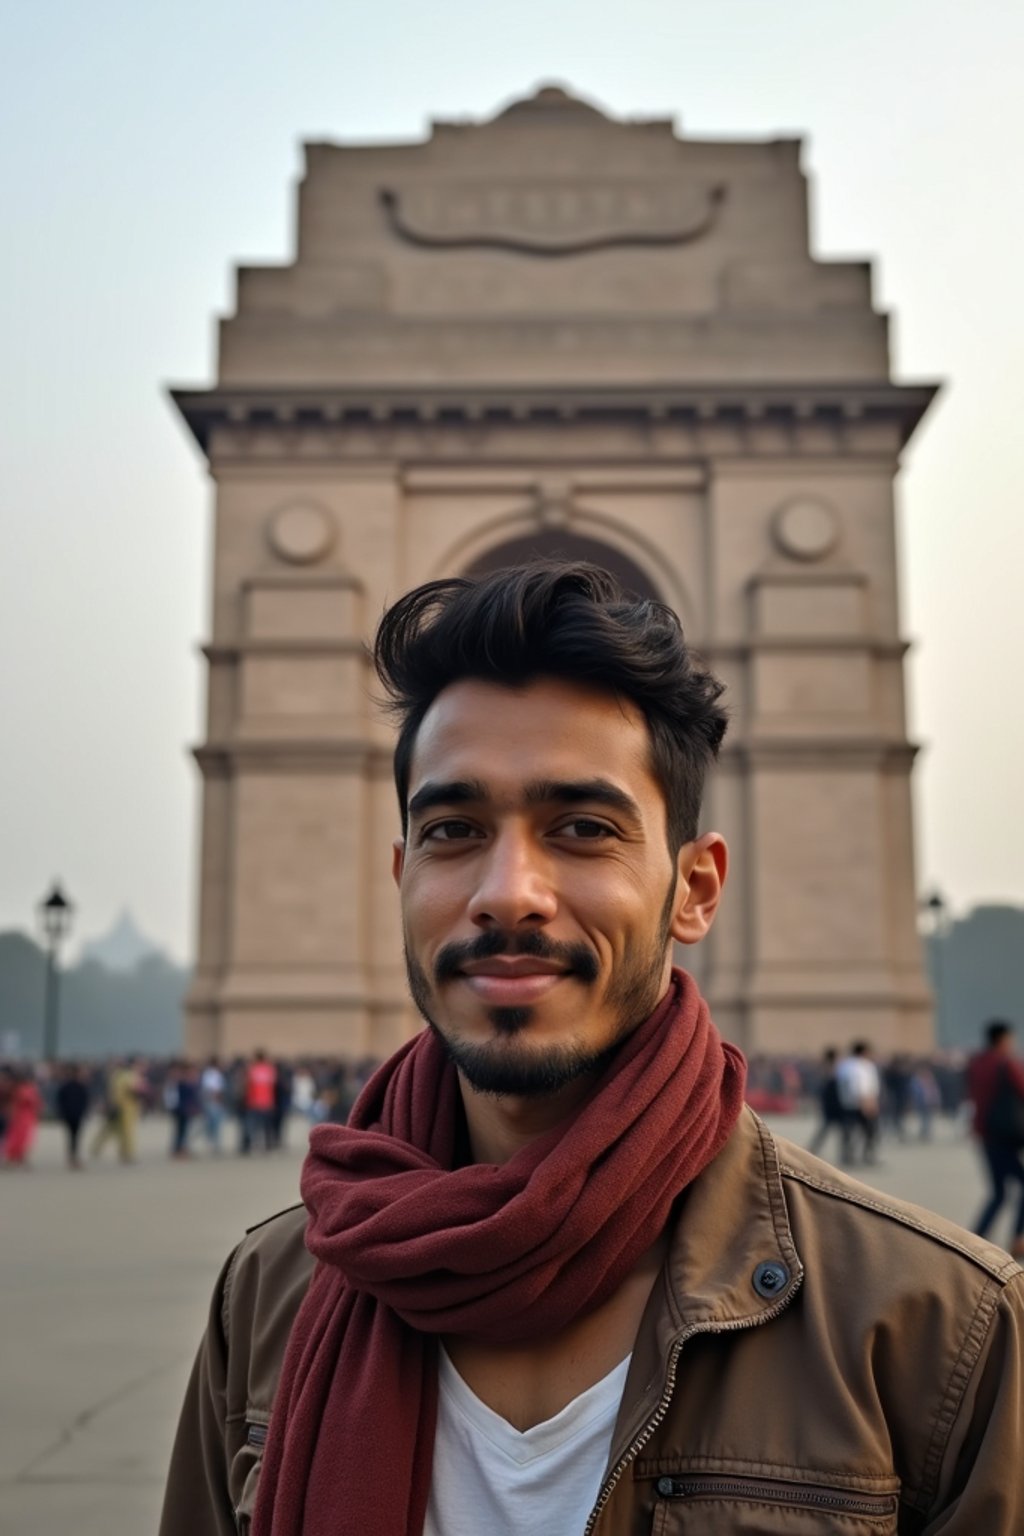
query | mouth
(512,981)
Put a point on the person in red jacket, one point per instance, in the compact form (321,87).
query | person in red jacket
(260,1087)
(994,1077)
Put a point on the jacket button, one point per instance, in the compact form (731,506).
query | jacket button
(770,1279)
(665,1487)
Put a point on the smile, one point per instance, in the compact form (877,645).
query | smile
(512,983)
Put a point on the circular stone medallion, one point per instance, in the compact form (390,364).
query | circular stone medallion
(301,534)
(806,529)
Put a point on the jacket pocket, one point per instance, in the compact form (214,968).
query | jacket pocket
(723,1504)
(246,1475)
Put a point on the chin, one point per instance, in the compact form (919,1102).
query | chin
(510,1068)
(510,1021)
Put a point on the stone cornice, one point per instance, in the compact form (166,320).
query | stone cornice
(816,645)
(221,759)
(231,651)
(385,408)
(816,751)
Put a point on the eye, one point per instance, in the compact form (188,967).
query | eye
(585,829)
(450,831)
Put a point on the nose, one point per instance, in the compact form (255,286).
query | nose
(514,885)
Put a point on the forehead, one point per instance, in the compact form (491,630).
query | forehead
(547,729)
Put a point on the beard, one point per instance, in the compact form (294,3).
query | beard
(511,1066)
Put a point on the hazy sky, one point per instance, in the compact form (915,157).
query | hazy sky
(145,149)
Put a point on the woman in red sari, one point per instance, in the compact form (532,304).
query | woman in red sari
(26,1105)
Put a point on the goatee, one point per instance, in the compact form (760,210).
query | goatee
(510,1065)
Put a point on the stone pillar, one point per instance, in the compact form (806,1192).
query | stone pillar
(294,769)
(820,748)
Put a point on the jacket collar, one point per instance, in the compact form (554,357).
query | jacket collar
(732,1263)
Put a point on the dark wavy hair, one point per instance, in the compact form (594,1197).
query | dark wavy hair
(556,619)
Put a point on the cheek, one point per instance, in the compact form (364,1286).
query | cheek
(611,913)
(623,914)
(431,901)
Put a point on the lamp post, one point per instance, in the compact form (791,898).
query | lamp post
(55,913)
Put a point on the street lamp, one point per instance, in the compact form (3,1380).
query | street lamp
(55,913)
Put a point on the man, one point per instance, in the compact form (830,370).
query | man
(72,1103)
(995,1086)
(860,1092)
(833,1117)
(553,1277)
(897,1096)
(182,1097)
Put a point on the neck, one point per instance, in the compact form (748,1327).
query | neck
(501,1125)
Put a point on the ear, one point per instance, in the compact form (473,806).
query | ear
(397,859)
(701,868)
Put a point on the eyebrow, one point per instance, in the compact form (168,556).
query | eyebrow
(595,791)
(454,792)
(582,791)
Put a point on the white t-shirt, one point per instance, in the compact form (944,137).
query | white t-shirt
(858,1082)
(211,1084)
(489,1477)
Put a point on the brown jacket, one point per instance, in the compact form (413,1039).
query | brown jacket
(816,1358)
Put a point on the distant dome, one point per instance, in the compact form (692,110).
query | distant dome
(122,947)
(551,104)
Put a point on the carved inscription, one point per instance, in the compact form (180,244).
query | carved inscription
(552,218)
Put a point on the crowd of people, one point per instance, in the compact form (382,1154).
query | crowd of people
(243,1105)
(859,1099)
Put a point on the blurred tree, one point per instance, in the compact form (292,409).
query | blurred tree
(103,1012)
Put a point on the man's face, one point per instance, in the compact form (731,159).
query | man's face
(538,892)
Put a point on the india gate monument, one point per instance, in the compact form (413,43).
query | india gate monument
(556,332)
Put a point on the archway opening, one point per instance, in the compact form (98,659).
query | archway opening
(557,544)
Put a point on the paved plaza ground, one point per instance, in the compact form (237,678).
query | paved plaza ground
(104,1282)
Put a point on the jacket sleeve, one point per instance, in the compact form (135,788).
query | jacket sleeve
(980,1485)
(197,1501)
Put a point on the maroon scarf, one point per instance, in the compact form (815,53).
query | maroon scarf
(410,1246)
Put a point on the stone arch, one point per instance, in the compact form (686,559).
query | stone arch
(585,535)
(562,543)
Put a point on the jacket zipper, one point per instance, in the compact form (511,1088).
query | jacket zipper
(647,1431)
(807,1495)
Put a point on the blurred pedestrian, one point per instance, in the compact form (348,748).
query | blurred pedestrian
(925,1098)
(303,1091)
(237,1075)
(832,1117)
(336,1097)
(6,1094)
(860,1092)
(72,1102)
(896,1098)
(23,1119)
(260,1086)
(212,1102)
(282,1104)
(124,1094)
(185,1106)
(995,1083)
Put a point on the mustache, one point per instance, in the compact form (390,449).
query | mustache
(576,958)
